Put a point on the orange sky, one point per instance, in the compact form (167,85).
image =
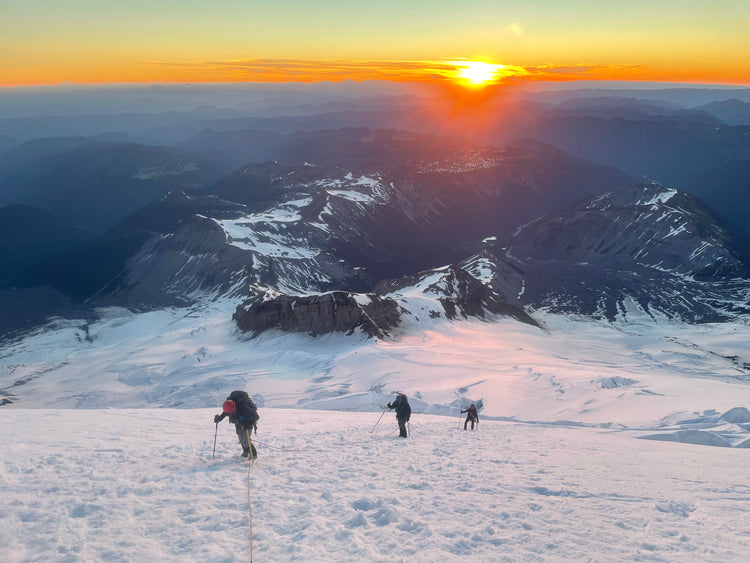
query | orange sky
(105,41)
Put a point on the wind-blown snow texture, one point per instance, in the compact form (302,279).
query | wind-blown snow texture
(140,485)
(596,442)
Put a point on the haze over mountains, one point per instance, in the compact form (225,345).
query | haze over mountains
(384,189)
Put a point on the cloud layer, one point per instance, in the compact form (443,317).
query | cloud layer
(297,70)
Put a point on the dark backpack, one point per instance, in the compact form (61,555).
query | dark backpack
(403,409)
(245,410)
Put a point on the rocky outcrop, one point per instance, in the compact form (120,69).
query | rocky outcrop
(449,292)
(336,311)
(460,294)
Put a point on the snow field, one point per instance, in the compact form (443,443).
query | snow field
(140,485)
(631,374)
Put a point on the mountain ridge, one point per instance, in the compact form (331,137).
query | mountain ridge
(414,203)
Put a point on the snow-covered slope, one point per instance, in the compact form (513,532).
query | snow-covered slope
(288,245)
(141,485)
(562,372)
(597,441)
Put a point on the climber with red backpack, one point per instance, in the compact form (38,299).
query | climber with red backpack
(243,413)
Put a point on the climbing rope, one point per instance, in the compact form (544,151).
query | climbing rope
(251,459)
(250,511)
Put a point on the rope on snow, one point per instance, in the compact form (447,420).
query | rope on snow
(249,505)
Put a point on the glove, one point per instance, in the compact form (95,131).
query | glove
(217,419)
(389,406)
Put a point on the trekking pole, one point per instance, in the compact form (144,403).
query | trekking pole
(215,434)
(378,422)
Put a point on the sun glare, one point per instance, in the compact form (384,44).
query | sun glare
(475,73)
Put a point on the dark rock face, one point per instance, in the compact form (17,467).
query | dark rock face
(641,250)
(452,288)
(471,298)
(643,224)
(460,294)
(193,259)
(337,311)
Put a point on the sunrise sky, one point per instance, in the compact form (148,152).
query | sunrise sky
(110,41)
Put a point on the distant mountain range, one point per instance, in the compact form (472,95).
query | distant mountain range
(299,227)
(414,201)
(93,184)
(731,111)
(677,136)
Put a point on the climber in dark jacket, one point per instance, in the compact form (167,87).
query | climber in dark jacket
(471,416)
(243,413)
(403,412)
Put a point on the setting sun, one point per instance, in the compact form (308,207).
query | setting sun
(476,73)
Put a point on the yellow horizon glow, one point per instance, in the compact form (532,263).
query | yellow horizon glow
(472,74)
(171,41)
(468,73)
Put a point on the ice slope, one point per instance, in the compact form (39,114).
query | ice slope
(141,485)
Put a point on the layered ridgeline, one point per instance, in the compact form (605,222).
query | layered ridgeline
(305,247)
(643,249)
(416,202)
